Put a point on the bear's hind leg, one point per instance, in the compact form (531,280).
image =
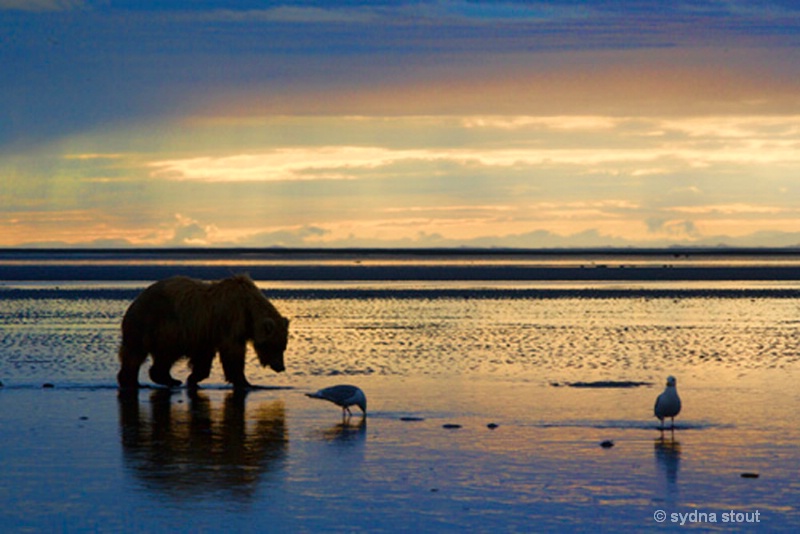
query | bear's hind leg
(159,372)
(130,362)
(201,368)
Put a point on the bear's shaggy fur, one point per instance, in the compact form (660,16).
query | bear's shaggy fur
(181,317)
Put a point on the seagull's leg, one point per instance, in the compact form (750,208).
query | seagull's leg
(673,423)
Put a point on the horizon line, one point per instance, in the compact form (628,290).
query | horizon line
(456,250)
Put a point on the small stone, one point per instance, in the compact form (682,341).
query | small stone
(607,444)
(412,418)
(749,475)
(492,426)
(83,418)
(451,426)
(48,385)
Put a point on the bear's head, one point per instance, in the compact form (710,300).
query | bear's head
(269,341)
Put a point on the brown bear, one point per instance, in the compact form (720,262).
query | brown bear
(181,317)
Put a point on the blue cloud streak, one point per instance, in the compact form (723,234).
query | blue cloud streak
(99,62)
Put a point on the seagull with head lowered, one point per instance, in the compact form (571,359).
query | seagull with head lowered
(668,404)
(344,396)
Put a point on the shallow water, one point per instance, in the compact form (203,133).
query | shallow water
(83,460)
(73,341)
(78,458)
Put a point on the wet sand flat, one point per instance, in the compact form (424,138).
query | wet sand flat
(557,370)
(85,459)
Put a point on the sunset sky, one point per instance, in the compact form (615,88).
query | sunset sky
(399,123)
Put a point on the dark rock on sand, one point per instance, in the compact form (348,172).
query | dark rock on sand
(749,475)
(451,426)
(607,444)
(609,384)
(492,426)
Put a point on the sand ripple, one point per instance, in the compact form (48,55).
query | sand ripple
(560,339)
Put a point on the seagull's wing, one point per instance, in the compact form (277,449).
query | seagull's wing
(336,394)
(339,394)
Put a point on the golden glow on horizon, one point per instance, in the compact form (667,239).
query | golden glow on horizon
(631,179)
(335,163)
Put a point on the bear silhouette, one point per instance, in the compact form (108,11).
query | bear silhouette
(184,318)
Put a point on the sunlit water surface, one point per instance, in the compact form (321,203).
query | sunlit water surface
(76,458)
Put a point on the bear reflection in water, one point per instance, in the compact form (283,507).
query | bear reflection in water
(186,450)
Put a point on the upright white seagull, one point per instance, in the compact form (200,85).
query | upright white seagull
(344,396)
(668,404)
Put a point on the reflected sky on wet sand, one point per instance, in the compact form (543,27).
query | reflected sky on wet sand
(84,459)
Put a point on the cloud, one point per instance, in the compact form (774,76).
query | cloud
(729,209)
(42,5)
(141,61)
(89,157)
(348,162)
(480,13)
(675,230)
(332,162)
(319,237)
(294,15)
(189,232)
(303,236)
(558,122)
(652,158)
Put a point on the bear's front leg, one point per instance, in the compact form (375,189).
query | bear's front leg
(201,368)
(232,357)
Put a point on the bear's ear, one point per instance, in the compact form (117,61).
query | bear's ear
(269,327)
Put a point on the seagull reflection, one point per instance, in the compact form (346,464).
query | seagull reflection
(201,448)
(346,433)
(668,457)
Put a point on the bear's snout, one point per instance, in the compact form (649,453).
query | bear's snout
(278,366)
